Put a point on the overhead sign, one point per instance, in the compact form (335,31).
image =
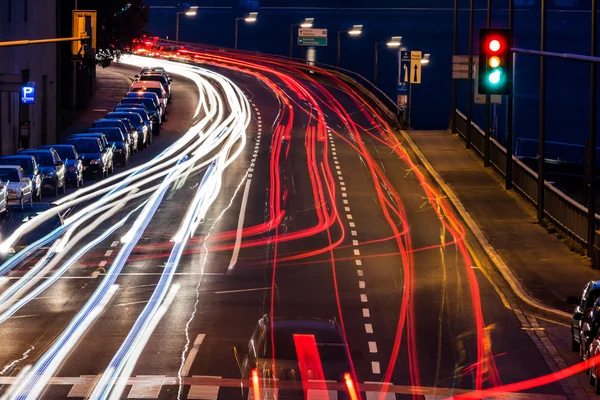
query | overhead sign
(28,93)
(84,25)
(312,37)
(415,66)
(480,98)
(460,67)
(404,67)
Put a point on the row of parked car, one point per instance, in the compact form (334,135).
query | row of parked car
(110,141)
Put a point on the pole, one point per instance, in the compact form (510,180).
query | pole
(409,103)
(455,50)
(592,139)
(177,28)
(509,105)
(237,28)
(291,40)
(486,152)
(376,64)
(542,122)
(470,91)
(339,52)
(74,76)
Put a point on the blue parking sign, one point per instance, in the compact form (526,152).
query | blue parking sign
(28,94)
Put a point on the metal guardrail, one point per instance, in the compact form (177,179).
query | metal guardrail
(562,210)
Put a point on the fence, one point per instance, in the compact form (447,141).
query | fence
(563,211)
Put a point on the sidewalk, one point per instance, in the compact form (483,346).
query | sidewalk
(545,267)
(112,85)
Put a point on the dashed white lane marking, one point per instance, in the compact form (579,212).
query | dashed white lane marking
(114,244)
(343,189)
(375,367)
(203,392)
(360,272)
(337,167)
(363,298)
(342,182)
(349,216)
(95,274)
(355,243)
(368,328)
(335,157)
(361,284)
(249,176)
(353,233)
(352,225)
(345,201)
(366,313)
(333,153)
(358,262)
(151,390)
(344,194)
(347,209)
(185,371)
(336,162)
(108,253)
(341,178)
(372,347)
(102,263)
(356,252)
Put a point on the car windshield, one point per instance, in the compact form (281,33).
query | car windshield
(43,158)
(65,153)
(157,78)
(139,112)
(9,175)
(87,146)
(158,91)
(27,165)
(114,136)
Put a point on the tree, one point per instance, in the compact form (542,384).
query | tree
(119,23)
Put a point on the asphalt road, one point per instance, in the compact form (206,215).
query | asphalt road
(362,276)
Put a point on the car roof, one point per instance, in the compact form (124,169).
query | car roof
(34,151)
(595,285)
(8,166)
(150,84)
(50,146)
(109,120)
(17,156)
(95,139)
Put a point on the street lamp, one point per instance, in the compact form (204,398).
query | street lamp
(190,11)
(393,43)
(425,59)
(355,31)
(308,23)
(250,19)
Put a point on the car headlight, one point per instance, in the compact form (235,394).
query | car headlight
(48,175)
(118,151)
(97,161)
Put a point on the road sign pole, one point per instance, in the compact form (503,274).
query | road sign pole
(237,29)
(592,140)
(542,121)
(455,51)
(409,106)
(291,40)
(470,90)
(486,152)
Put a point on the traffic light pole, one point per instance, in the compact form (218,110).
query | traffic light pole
(592,140)
(509,105)
(453,116)
(542,120)
(486,152)
(470,91)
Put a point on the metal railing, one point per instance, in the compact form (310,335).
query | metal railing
(562,210)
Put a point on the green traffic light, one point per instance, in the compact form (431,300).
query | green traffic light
(494,77)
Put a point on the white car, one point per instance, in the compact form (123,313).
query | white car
(3,196)
(18,184)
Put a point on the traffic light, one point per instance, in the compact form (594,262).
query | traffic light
(495,65)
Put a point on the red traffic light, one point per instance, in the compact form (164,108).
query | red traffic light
(494,45)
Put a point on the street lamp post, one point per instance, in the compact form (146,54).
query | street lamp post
(308,23)
(394,42)
(190,12)
(250,19)
(355,31)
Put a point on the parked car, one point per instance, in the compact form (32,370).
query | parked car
(148,106)
(583,304)
(72,161)
(90,151)
(155,99)
(138,123)
(118,141)
(3,196)
(30,167)
(19,186)
(156,69)
(51,168)
(594,350)
(153,87)
(142,112)
(107,148)
(157,77)
(125,125)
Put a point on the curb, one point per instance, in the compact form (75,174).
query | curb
(491,252)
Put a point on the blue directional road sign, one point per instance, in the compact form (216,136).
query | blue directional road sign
(28,93)
(404,67)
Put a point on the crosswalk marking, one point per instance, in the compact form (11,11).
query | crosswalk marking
(192,354)
(320,394)
(82,389)
(376,395)
(203,392)
(146,390)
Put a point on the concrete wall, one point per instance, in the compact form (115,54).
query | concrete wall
(29,19)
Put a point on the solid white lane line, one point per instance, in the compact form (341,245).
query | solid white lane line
(131,303)
(356,252)
(240,227)
(363,298)
(108,253)
(185,371)
(375,367)
(355,242)
(114,244)
(368,328)
(372,347)
(366,313)
(353,233)
(361,284)
(243,290)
